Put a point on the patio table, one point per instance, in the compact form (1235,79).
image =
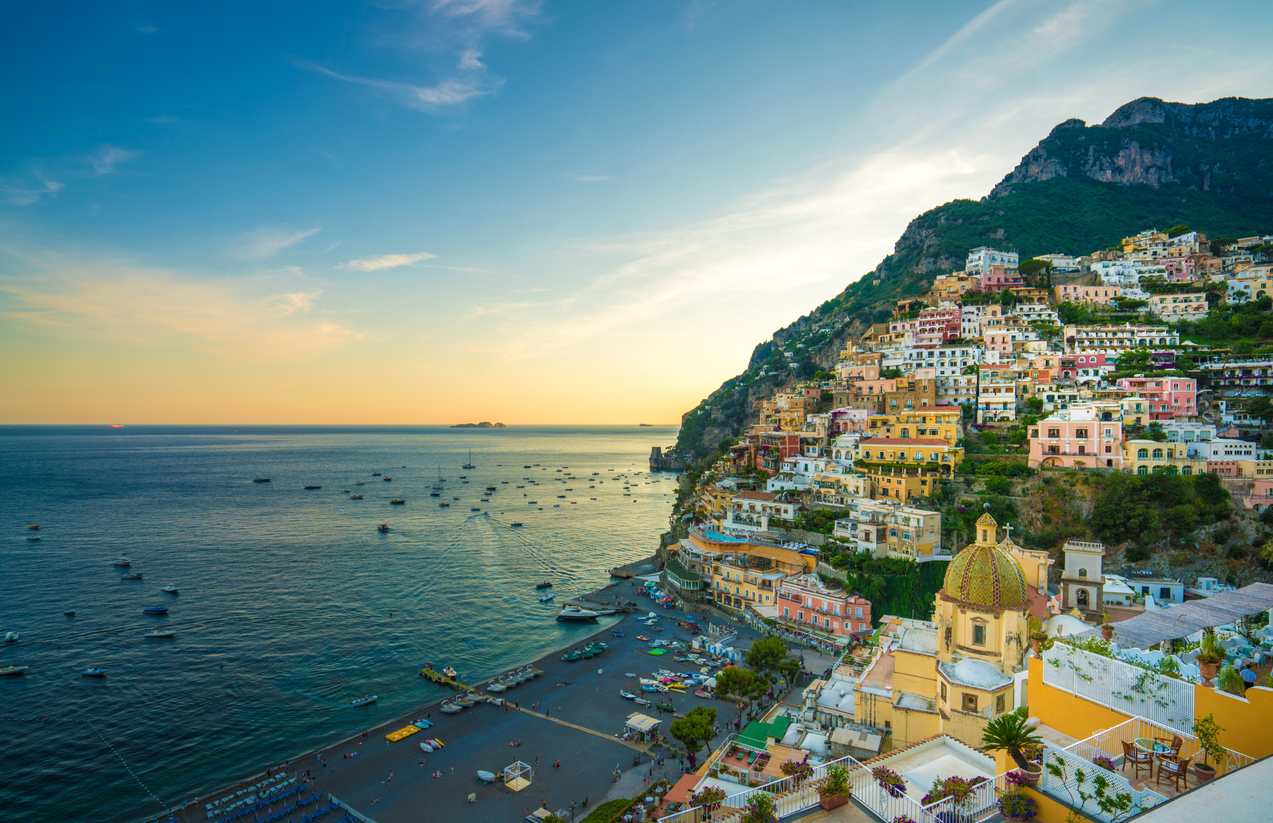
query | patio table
(1148,744)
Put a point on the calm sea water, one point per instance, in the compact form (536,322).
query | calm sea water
(291,602)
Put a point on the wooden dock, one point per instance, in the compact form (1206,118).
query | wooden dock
(435,676)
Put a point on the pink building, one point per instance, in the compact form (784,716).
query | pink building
(1168,397)
(1085,366)
(1083,437)
(994,278)
(805,601)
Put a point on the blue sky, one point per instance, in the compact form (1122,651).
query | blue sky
(533,212)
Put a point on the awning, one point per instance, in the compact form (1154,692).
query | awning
(641,723)
(1153,627)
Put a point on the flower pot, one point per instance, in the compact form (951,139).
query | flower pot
(1034,644)
(1107,632)
(832,801)
(1203,773)
(1030,778)
(1208,671)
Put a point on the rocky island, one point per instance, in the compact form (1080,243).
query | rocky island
(485,424)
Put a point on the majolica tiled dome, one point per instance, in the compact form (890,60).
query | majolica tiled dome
(985,576)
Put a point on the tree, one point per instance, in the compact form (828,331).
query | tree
(1011,733)
(695,728)
(1261,408)
(734,683)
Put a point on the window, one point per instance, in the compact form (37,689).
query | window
(858,612)
(1082,572)
(944,699)
(1054,432)
(786,612)
(970,702)
(979,635)
(1158,454)
(1080,432)
(1164,593)
(1143,454)
(999,704)
(1082,599)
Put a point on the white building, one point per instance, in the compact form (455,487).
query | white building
(1173,308)
(982,258)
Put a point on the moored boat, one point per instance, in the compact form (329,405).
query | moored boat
(261,480)
(383,527)
(546,598)
(155,610)
(131,576)
(310,488)
(545,585)
(171,589)
(11,637)
(497,686)
(93,671)
(571,657)
(160,633)
(122,561)
(448,707)
(363,701)
(397,501)
(13,670)
(576,614)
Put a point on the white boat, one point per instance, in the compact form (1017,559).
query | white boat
(425,747)
(171,589)
(11,637)
(545,598)
(8,670)
(574,613)
(122,561)
(448,707)
(464,700)
(363,701)
(160,633)
(497,686)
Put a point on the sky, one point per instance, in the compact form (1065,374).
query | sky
(442,211)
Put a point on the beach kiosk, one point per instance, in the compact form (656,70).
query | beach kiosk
(641,728)
(517,776)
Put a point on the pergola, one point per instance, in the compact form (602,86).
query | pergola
(517,776)
(1146,630)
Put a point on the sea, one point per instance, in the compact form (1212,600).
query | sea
(292,603)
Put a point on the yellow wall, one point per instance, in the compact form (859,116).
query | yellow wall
(914,673)
(1063,711)
(1247,721)
(912,726)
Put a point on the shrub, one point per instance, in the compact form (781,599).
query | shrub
(1018,804)
(1104,762)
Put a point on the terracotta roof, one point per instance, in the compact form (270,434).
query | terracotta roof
(750,495)
(904,441)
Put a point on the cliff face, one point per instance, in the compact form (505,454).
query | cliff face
(1150,164)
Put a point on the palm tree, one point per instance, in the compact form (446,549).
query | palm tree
(1009,733)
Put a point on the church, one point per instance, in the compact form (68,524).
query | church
(954,673)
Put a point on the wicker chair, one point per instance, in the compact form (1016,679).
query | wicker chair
(1174,769)
(1141,760)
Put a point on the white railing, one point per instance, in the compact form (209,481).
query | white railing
(980,805)
(1120,686)
(1109,743)
(1068,788)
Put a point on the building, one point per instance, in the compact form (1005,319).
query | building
(996,393)
(1148,456)
(903,468)
(888,529)
(804,600)
(983,259)
(1176,307)
(747,573)
(1118,338)
(750,511)
(1077,438)
(943,423)
(1165,397)
(1083,579)
(1092,295)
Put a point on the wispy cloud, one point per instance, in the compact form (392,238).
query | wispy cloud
(386,261)
(148,29)
(589,178)
(449,92)
(108,158)
(26,192)
(240,318)
(267,241)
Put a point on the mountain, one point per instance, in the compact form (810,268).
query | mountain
(1149,164)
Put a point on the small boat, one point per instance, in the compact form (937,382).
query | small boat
(616,633)
(426,747)
(11,637)
(469,464)
(160,633)
(171,589)
(422,723)
(589,653)
(652,687)
(355,497)
(261,480)
(93,671)
(485,776)
(388,479)
(464,700)
(562,496)
(497,686)
(627,695)
(69,612)
(35,527)
(131,576)
(10,670)
(360,483)
(492,488)
(375,474)
(641,701)
(444,505)
(383,527)
(122,561)
(642,638)
(363,701)
(475,509)
(435,494)
(545,585)
(450,672)
(34,539)
(546,598)
(397,501)
(665,705)
(155,610)
(574,613)
(448,707)
(313,487)
(516,525)
(571,657)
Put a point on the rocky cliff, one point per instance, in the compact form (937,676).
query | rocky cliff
(1149,164)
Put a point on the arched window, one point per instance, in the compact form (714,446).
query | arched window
(1143,470)
(1082,572)
(1082,598)
(866,455)
(1143,454)
(892,532)
(1158,454)
(1187,470)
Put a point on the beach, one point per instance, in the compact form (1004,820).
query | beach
(580,717)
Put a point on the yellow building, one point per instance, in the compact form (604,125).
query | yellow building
(943,425)
(903,468)
(743,573)
(953,674)
(1144,456)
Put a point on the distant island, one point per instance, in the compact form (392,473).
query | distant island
(647,425)
(483,425)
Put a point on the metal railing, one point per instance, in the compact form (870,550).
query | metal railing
(1109,743)
(1067,788)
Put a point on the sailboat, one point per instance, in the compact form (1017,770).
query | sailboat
(437,484)
(469,464)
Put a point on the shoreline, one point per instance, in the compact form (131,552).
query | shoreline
(176,812)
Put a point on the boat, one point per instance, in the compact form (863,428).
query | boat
(448,707)
(69,612)
(131,576)
(355,497)
(93,671)
(360,483)
(171,589)
(469,464)
(515,525)
(485,776)
(11,637)
(653,687)
(375,474)
(627,695)
(546,598)
(122,561)
(388,479)
(497,686)
(155,610)
(589,653)
(574,613)
(444,505)
(36,539)
(450,672)
(545,585)
(475,509)
(435,494)
(464,700)
(9,670)
(641,701)
(616,633)
(571,657)
(383,527)
(426,747)
(35,527)
(397,501)
(527,466)
(665,705)
(313,487)
(261,480)
(492,488)
(160,633)
(363,701)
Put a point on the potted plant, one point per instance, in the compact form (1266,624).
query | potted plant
(834,790)
(1107,627)
(709,798)
(1210,656)
(1104,762)
(1018,806)
(798,770)
(760,809)
(1207,730)
(1010,733)
(1037,635)
(889,780)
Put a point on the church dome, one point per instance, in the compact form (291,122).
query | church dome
(986,576)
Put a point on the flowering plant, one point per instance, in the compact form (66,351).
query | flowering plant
(901,818)
(955,787)
(1104,762)
(798,768)
(710,797)
(760,809)
(1018,805)
(889,780)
